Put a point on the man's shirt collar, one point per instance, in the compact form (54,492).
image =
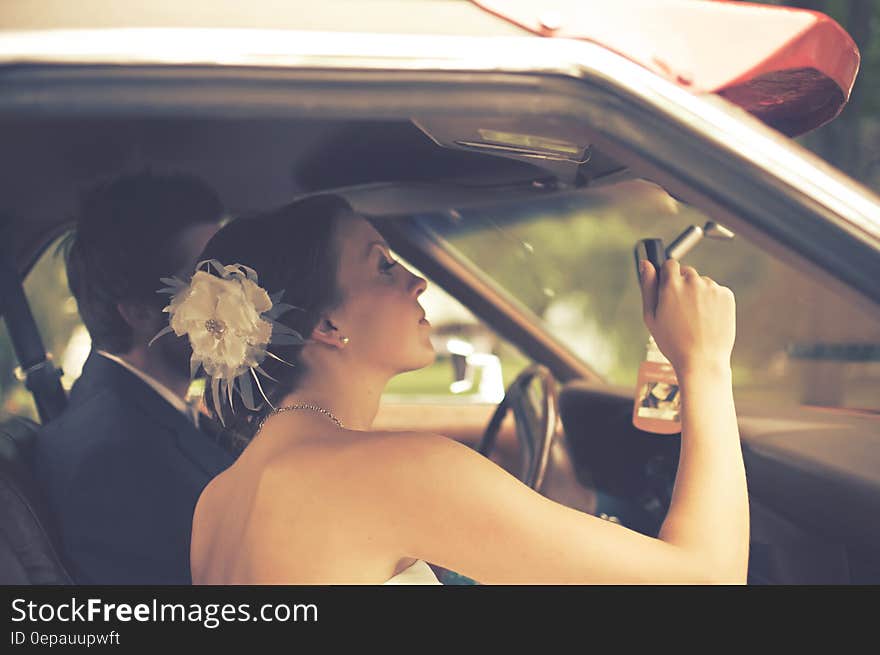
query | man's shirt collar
(176,401)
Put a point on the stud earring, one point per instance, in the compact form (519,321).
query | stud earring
(345,340)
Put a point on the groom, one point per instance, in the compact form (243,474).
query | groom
(124,464)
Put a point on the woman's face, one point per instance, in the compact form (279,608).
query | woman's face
(381,313)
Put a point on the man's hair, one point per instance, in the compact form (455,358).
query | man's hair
(124,239)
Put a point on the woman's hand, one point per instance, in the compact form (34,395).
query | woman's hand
(691,317)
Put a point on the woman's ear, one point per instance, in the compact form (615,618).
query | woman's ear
(327,333)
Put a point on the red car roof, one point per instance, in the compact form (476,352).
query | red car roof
(792,68)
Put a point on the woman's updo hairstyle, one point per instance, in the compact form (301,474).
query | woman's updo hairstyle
(294,248)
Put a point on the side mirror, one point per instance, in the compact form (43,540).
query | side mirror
(465,365)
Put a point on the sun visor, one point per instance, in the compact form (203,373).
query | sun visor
(560,147)
(792,68)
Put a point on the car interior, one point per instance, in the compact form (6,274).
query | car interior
(813,502)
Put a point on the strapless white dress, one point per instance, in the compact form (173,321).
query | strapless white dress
(416,573)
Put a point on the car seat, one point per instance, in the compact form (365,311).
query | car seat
(29,553)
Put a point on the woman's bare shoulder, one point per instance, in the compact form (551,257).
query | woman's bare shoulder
(362,442)
(353,484)
(367,452)
(408,446)
(393,459)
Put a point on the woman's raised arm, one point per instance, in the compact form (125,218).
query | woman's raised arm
(460,510)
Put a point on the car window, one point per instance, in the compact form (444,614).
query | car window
(64,335)
(473,363)
(570,260)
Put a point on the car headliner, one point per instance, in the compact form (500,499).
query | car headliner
(254,164)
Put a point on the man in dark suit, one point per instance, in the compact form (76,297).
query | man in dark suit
(124,464)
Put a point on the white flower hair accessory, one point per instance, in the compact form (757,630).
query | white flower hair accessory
(230,321)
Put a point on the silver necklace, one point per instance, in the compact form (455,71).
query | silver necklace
(286,408)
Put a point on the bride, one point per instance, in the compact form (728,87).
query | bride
(304,307)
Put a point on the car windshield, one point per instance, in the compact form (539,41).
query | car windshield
(569,259)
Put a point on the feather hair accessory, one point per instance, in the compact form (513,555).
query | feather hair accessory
(230,321)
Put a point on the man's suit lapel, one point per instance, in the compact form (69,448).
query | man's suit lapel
(201,449)
(100,372)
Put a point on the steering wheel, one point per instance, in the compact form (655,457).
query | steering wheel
(534,429)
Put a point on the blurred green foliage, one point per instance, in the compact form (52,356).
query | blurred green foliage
(571,263)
